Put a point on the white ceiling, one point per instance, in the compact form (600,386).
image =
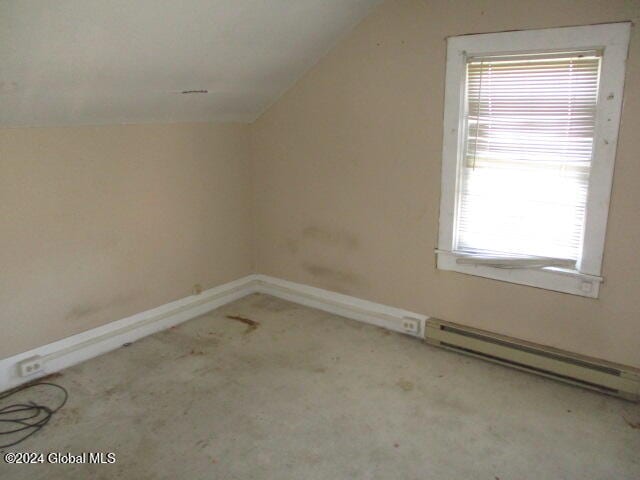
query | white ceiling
(67,62)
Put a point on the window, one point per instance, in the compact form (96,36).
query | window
(531,125)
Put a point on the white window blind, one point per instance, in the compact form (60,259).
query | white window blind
(528,143)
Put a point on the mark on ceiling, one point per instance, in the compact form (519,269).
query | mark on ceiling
(73,62)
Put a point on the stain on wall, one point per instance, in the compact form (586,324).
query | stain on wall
(335,276)
(100,223)
(331,237)
(349,164)
(84,310)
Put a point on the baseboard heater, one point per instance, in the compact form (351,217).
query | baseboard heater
(594,374)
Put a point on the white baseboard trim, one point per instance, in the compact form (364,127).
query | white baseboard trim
(69,351)
(75,349)
(365,311)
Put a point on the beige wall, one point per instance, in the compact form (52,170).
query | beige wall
(347,169)
(98,223)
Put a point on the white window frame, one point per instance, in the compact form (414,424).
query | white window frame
(613,40)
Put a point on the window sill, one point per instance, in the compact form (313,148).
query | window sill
(549,278)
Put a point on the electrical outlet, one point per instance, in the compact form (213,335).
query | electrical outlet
(30,366)
(411,325)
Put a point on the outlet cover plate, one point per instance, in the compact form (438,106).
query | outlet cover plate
(30,366)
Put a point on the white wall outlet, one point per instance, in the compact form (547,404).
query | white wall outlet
(30,366)
(586,287)
(411,325)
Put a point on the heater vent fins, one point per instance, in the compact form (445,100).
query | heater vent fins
(605,377)
(524,348)
(533,369)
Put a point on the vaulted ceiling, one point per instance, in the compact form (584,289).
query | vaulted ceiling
(69,62)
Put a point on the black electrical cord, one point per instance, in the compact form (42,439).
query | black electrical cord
(27,417)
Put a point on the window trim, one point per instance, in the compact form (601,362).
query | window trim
(613,40)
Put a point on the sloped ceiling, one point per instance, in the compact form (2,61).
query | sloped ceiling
(70,62)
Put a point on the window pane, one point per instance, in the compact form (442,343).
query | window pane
(527,154)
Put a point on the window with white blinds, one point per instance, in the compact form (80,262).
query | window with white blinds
(528,146)
(531,121)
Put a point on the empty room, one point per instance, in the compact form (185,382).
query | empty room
(320,239)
